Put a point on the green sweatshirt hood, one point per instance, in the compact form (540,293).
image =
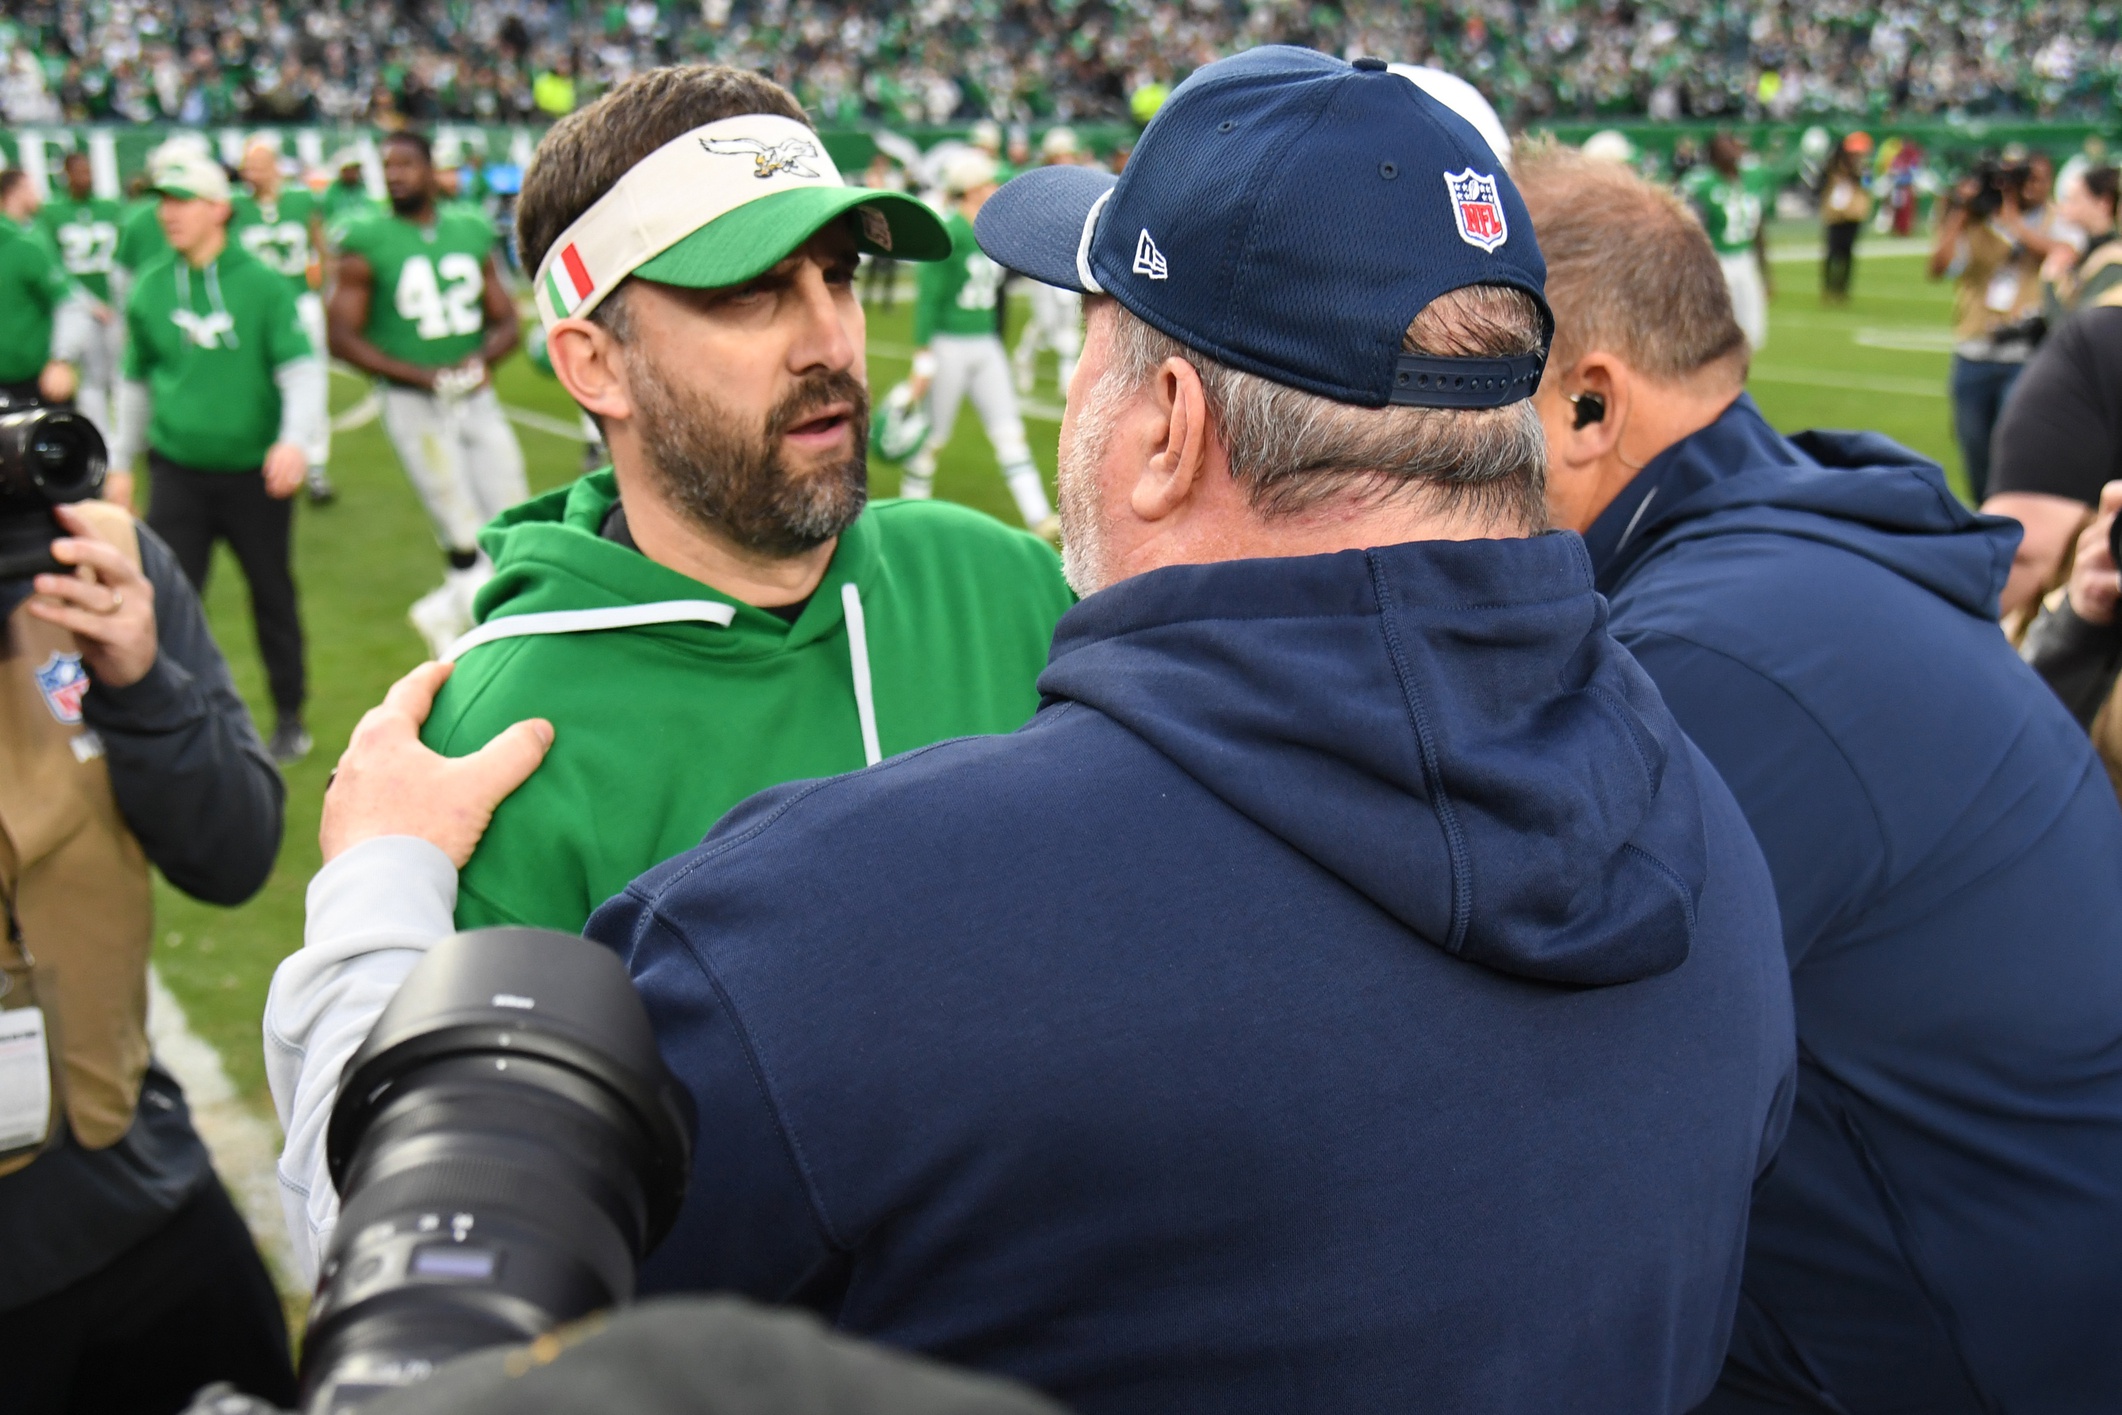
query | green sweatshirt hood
(550,554)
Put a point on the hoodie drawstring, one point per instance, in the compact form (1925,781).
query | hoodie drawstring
(858,651)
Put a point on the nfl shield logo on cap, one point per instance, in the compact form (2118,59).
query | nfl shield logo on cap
(1477,208)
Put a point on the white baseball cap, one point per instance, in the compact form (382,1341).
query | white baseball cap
(968,169)
(184,172)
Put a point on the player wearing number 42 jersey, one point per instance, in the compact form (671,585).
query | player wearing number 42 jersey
(419,302)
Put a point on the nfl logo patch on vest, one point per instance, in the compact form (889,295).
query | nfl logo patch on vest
(1477,208)
(64,684)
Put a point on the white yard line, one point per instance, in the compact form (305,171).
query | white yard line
(244,1144)
(545,423)
(1850,382)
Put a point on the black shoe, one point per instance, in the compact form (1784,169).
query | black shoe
(290,742)
(321,490)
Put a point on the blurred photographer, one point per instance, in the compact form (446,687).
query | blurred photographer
(1992,242)
(2075,279)
(2076,645)
(128,1279)
(2058,443)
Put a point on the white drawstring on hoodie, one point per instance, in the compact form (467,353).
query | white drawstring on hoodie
(327,994)
(686,611)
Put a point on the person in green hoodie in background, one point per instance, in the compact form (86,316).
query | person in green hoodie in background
(718,612)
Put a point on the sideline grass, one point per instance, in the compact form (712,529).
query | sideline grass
(1877,363)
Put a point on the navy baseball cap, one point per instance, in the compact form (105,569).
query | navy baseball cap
(1290,214)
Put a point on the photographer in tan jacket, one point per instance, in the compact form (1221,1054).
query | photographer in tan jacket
(128,1279)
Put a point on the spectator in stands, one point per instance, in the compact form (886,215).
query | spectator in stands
(1943,1228)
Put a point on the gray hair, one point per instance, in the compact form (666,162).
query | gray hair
(1292,450)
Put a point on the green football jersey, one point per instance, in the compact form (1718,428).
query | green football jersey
(33,284)
(344,205)
(1731,209)
(430,284)
(278,234)
(957,295)
(207,343)
(86,233)
(140,239)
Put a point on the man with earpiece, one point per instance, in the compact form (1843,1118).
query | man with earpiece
(1943,1228)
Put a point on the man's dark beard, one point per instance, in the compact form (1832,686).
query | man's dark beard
(408,206)
(731,479)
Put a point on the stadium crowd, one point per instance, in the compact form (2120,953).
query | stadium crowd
(512,60)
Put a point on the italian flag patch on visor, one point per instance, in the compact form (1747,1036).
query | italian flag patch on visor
(567,282)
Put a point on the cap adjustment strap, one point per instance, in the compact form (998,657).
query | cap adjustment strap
(1428,381)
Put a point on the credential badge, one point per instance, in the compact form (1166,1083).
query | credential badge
(1478,208)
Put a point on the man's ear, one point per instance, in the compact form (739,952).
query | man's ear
(586,360)
(1598,392)
(1179,441)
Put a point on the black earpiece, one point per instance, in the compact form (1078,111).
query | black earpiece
(1591,408)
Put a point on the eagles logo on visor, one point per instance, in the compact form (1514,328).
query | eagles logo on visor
(718,206)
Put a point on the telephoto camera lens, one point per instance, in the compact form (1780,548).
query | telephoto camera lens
(48,457)
(507,1145)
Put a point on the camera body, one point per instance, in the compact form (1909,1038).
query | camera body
(1995,180)
(507,1146)
(48,457)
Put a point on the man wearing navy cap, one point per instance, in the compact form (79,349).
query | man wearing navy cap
(1351,991)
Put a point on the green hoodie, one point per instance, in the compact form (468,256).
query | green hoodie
(661,728)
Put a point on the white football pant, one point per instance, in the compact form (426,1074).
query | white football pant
(309,308)
(977,366)
(1749,297)
(460,455)
(1057,324)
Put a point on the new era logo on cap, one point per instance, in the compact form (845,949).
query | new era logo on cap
(1148,259)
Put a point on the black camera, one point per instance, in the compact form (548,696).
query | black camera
(48,457)
(1994,181)
(507,1146)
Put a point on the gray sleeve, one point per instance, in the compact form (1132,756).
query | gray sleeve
(135,406)
(73,326)
(191,777)
(2076,659)
(302,398)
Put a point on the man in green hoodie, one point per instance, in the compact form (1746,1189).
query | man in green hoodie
(717,612)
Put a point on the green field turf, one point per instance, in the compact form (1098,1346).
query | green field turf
(1879,363)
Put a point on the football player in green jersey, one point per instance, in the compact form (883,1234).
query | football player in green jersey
(84,228)
(1730,203)
(36,295)
(958,354)
(346,201)
(283,227)
(419,301)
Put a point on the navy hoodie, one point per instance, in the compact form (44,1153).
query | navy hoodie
(1351,991)
(1943,1230)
